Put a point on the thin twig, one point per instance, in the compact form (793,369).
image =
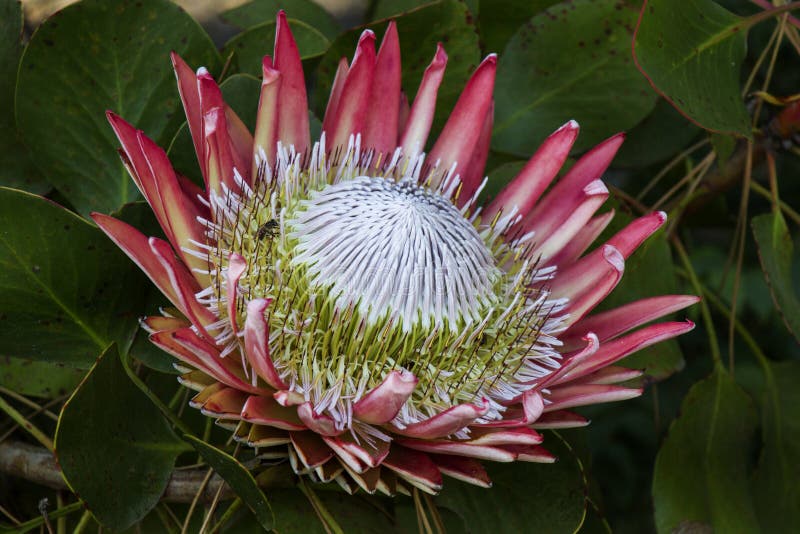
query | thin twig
(29,403)
(766,5)
(713,342)
(33,414)
(9,515)
(741,223)
(327,519)
(227,514)
(84,522)
(421,512)
(669,166)
(210,513)
(437,518)
(197,495)
(26,425)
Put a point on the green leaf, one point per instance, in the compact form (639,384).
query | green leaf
(98,55)
(692,52)
(570,62)
(261,11)
(66,291)
(115,449)
(38,379)
(524,497)
(500,19)
(649,272)
(17,170)
(701,471)
(249,47)
(384,9)
(775,249)
(419,30)
(777,494)
(239,479)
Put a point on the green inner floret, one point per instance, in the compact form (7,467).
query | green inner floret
(333,348)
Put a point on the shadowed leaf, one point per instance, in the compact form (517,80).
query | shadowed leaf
(66,291)
(524,497)
(115,449)
(775,250)
(500,19)
(90,57)
(701,471)
(776,491)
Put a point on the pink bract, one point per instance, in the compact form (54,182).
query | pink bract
(379,436)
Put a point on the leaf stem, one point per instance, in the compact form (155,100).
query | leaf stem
(748,338)
(785,208)
(227,514)
(39,521)
(84,522)
(196,499)
(761,16)
(713,342)
(327,518)
(29,403)
(40,436)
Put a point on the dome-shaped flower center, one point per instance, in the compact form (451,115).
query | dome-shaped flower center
(397,249)
(369,274)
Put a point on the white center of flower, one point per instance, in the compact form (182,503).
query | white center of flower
(397,249)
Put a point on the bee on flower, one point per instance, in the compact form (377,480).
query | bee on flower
(350,306)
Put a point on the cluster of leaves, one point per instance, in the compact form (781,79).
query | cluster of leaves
(705,93)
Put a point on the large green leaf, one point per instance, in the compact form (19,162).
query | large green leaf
(569,62)
(776,489)
(115,449)
(38,379)
(420,30)
(249,47)
(17,169)
(384,9)
(238,477)
(775,249)
(66,291)
(524,497)
(261,11)
(500,19)
(701,471)
(692,52)
(94,56)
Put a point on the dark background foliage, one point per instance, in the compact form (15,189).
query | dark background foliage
(704,89)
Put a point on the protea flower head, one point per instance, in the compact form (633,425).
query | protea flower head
(347,305)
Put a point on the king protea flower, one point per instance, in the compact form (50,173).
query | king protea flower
(348,306)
